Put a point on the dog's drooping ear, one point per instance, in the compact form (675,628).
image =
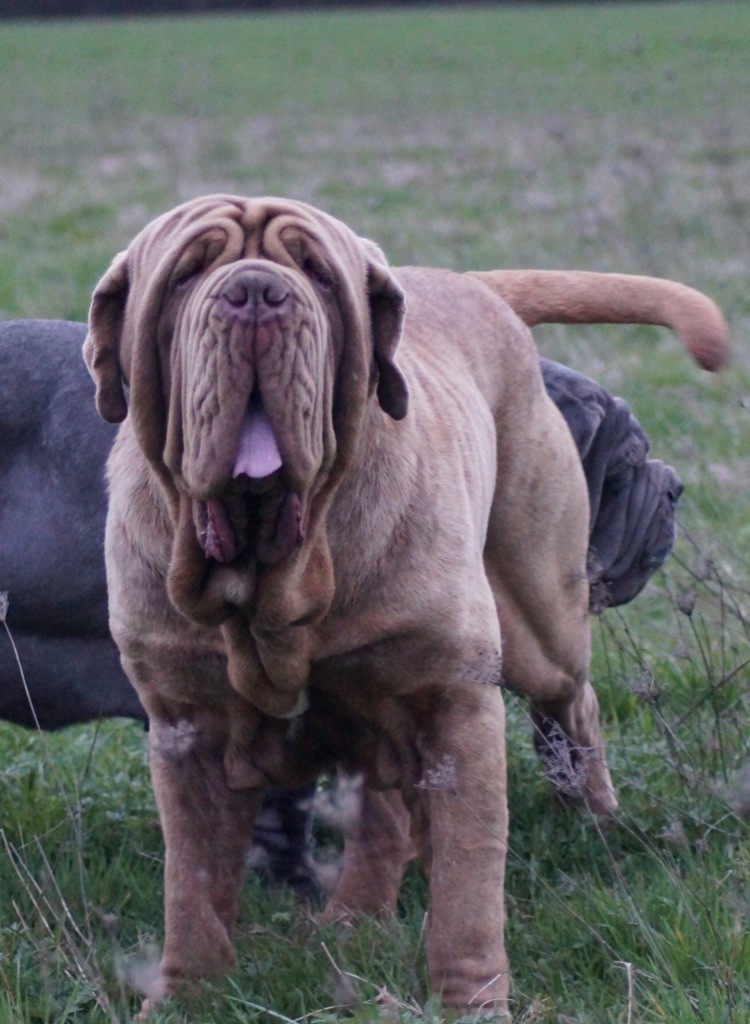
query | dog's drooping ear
(101,349)
(387,309)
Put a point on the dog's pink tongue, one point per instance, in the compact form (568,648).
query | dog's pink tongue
(258,454)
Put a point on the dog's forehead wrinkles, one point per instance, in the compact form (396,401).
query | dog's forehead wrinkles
(271,228)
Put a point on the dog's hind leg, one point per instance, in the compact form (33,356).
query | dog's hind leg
(546,659)
(551,668)
(535,557)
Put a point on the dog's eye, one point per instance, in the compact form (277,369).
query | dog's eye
(188,269)
(318,274)
(186,273)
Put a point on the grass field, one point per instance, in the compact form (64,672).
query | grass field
(614,138)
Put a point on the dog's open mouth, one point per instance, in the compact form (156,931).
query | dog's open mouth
(258,513)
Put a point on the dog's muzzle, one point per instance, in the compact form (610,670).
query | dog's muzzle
(259,514)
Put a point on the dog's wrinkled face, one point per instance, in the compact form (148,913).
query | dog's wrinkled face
(254,348)
(250,334)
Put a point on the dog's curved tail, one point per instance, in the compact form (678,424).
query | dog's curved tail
(584,297)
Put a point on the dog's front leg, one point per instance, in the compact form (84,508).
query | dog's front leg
(461,823)
(207,830)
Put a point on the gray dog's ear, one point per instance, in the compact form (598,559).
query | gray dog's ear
(387,309)
(101,349)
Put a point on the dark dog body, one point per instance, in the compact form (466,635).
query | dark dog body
(52,512)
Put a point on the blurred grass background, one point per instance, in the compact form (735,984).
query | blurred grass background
(605,137)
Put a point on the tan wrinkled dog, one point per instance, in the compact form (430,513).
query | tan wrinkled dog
(338,491)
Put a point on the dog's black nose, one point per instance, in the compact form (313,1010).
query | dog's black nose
(255,290)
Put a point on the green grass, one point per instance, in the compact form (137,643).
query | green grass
(611,138)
